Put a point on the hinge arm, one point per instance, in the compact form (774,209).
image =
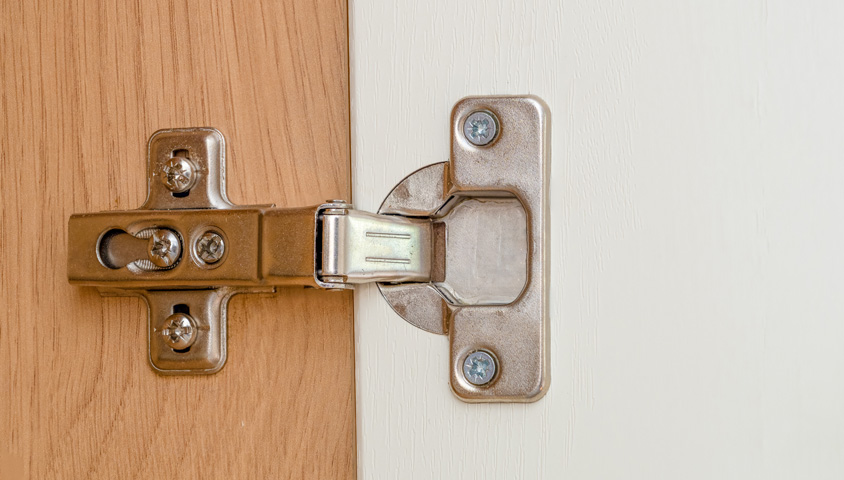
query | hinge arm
(361,247)
(325,246)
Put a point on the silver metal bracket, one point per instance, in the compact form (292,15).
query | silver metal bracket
(489,208)
(457,248)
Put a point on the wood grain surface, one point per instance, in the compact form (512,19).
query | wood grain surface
(82,86)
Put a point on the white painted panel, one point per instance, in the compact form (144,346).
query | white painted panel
(697,206)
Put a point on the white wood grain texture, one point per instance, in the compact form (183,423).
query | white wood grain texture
(696,236)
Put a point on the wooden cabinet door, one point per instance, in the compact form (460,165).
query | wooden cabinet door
(82,86)
(696,208)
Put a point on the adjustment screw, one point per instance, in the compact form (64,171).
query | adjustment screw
(178,174)
(480,128)
(479,368)
(164,248)
(179,331)
(210,247)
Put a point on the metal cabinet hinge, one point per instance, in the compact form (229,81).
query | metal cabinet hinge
(457,248)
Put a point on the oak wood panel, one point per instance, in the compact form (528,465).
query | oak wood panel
(84,84)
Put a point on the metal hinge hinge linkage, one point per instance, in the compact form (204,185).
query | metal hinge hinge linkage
(457,248)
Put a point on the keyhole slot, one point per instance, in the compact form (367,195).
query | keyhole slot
(184,309)
(180,153)
(117,248)
(181,308)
